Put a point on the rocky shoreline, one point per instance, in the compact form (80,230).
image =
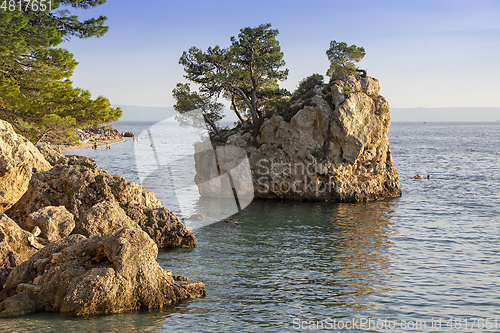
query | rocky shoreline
(74,239)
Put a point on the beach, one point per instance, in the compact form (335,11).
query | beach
(86,145)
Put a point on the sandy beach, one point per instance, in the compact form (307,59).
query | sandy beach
(87,145)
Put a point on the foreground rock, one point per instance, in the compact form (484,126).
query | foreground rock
(54,222)
(16,246)
(335,148)
(108,274)
(18,157)
(64,200)
(99,202)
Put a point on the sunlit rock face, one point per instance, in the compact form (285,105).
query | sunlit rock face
(18,157)
(335,148)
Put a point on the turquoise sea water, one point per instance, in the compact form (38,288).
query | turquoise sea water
(428,259)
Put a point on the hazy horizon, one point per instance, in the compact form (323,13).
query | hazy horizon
(145,113)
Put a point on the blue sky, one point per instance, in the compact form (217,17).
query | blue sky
(425,53)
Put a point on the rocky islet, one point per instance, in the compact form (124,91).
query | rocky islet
(334,148)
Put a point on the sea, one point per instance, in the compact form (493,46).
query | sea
(428,261)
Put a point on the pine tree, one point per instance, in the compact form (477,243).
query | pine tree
(36,93)
(246,73)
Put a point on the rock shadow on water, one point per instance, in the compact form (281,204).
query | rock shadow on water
(311,257)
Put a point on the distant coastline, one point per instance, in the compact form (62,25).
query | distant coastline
(133,113)
(462,114)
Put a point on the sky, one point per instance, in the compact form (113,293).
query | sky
(434,53)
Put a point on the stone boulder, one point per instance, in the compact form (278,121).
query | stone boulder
(16,246)
(128,135)
(54,222)
(51,155)
(103,218)
(165,228)
(114,273)
(18,157)
(76,183)
(334,148)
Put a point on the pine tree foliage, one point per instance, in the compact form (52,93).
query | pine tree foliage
(36,93)
(246,73)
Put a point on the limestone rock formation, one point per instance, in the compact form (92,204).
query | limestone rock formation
(76,183)
(103,218)
(51,155)
(165,228)
(18,157)
(114,273)
(16,246)
(54,222)
(114,270)
(335,148)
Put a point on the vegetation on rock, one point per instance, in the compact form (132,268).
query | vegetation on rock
(246,73)
(343,58)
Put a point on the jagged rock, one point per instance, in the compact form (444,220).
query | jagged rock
(54,222)
(18,305)
(128,135)
(166,229)
(76,183)
(108,274)
(51,155)
(18,157)
(103,218)
(335,148)
(16,245)
(195,288)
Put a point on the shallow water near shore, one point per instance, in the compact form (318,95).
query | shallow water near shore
(428,257)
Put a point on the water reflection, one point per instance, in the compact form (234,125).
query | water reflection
(285,260)
(123,323)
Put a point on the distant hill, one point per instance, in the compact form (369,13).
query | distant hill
(445,114)
(153,113)
(150,113)
(145,113)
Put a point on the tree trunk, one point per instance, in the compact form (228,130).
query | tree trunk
(40,138)
(235,108)
(253,99)
(211,124)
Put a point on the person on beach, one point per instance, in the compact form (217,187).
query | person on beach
(95,145)
(108,146)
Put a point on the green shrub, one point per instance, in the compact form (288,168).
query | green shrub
(320,153)
(305,89)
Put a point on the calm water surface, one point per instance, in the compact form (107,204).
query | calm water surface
(431,255)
